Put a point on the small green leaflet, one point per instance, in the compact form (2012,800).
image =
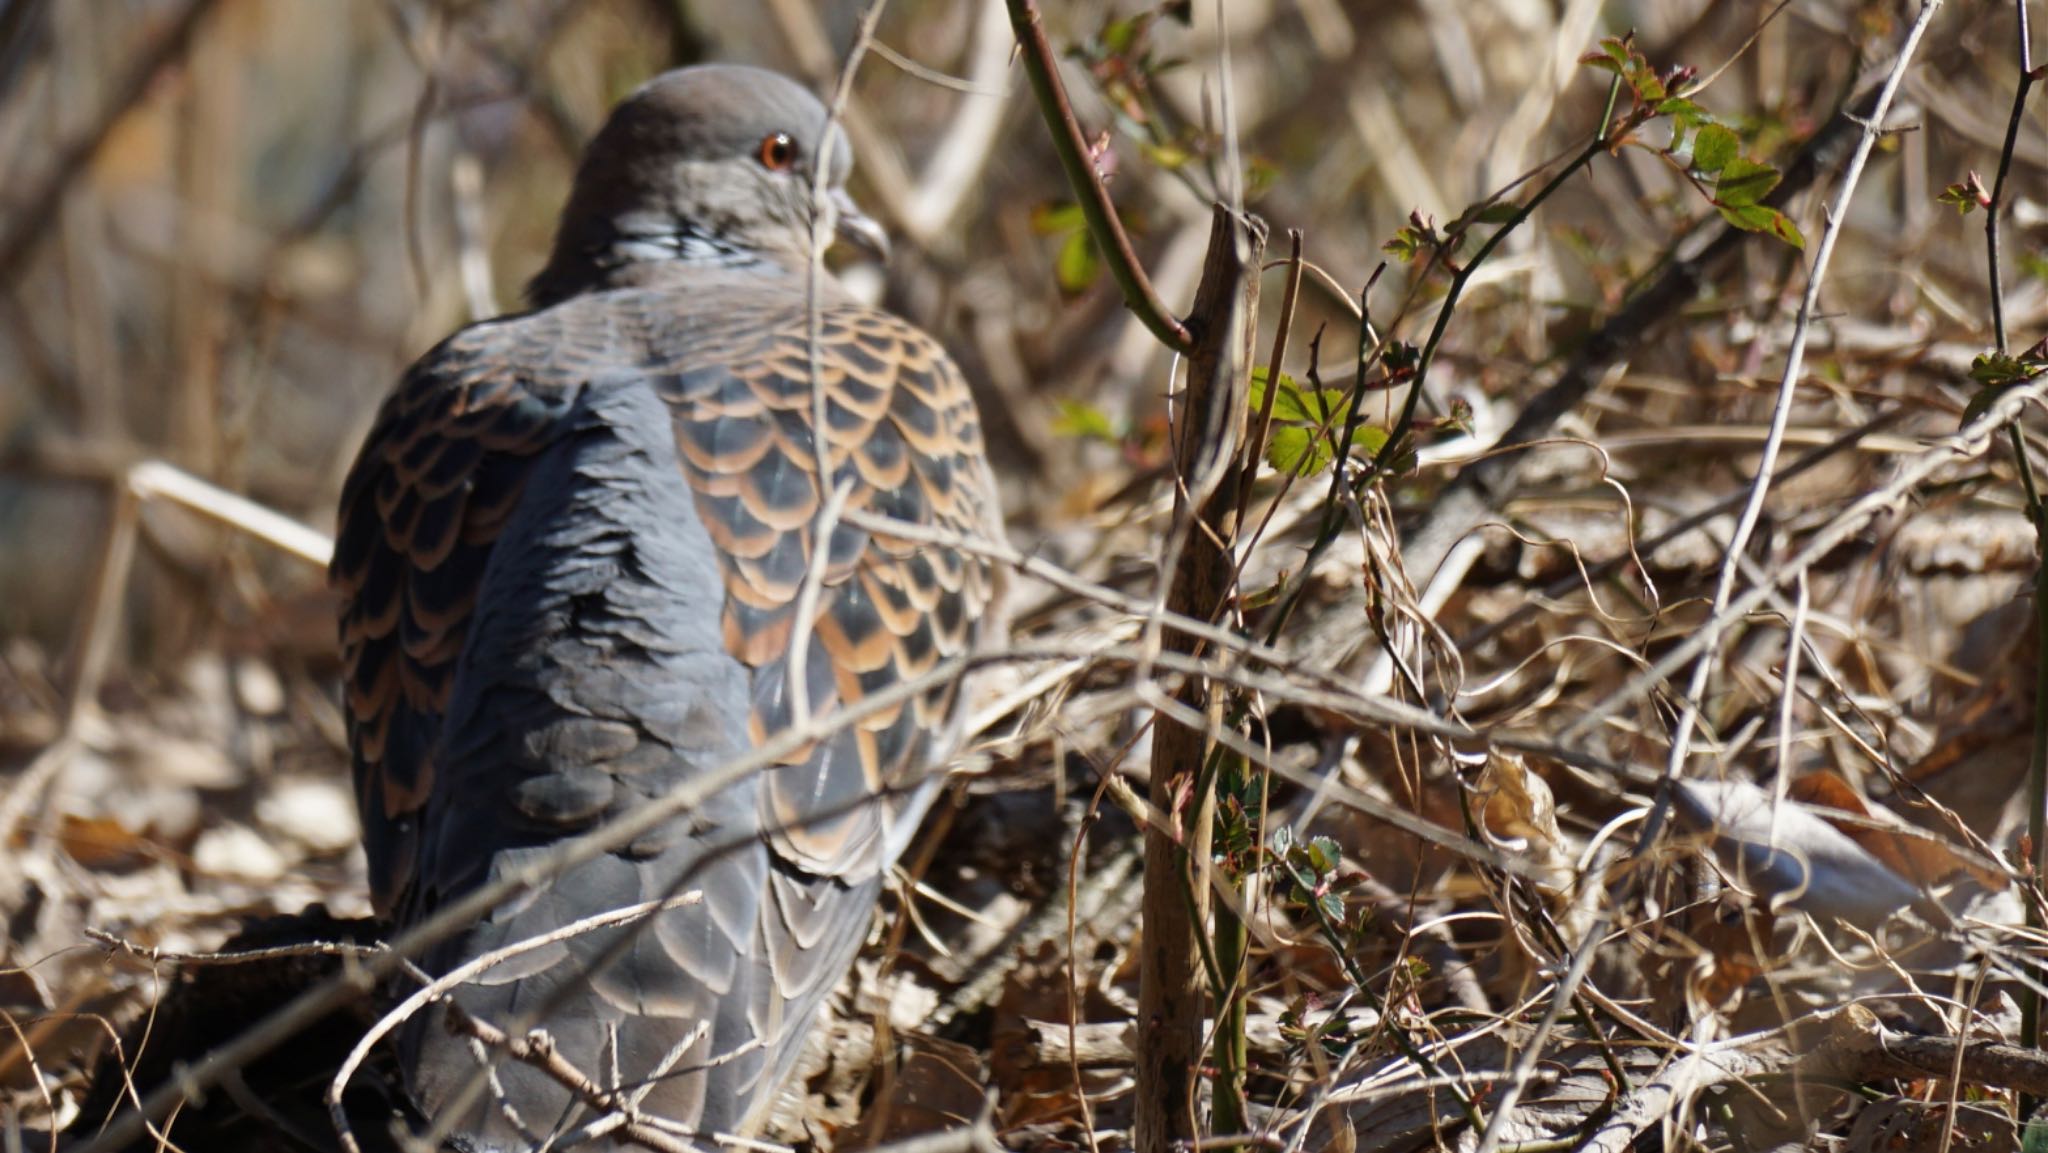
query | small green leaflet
(1714,148)
(1739,183)
(1078,418)
(1076,263)
(1738,196)
(1995,374)
(1307,424)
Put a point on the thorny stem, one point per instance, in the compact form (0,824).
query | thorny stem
(1096,207)
(1393,1028)
(1177,952)
(2037,775)
(1232,947)
(1992,210)
(1406,421)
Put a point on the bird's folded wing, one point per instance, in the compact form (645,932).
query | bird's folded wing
(442,470)
(903,442)
(447,464)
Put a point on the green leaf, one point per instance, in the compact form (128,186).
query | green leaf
(1998,368)
(1960,197)
(1077,264)
(1714,148)
(1286,402)
(1369,439)
(1256,397)
(1648,88)
(1293,450)
(1294,403)
(1743,183)
(1330,407)
(1684,111)
(1168,156)
(1980,404)
(1757,218)
(1055,219)
(1119,35)
(1079,419)
(1997,373)
(1406,245)
(1612,57)
(1332,906)
(1323,855)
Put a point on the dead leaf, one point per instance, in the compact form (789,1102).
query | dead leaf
(105,845)
(1907,852)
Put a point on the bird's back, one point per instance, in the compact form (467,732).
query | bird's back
(573,553)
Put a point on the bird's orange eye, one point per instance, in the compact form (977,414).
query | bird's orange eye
(778,151)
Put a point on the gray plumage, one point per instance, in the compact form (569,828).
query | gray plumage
(570,553)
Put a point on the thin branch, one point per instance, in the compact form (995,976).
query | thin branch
(117,944)
(1781,416)
(1211,419)
(441,986)
(1996,276)
(2037,768)
(1652,303)
(1072,147)
(1594,147)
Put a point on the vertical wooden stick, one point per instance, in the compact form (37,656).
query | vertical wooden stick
(1212,416)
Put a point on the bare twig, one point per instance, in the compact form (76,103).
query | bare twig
(239,957)
(1072,146)
(155,480)
(962,154)
(1485,485)
(537,1049)
(1561,1000)
(1781,414)
(466,182)
(831,500)
(441,986)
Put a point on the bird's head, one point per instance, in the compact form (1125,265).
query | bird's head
(715,164)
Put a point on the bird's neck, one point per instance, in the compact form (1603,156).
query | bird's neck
(615,257)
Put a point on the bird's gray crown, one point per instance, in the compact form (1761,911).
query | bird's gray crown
(713,165)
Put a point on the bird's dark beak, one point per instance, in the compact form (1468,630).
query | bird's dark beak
(854,227)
